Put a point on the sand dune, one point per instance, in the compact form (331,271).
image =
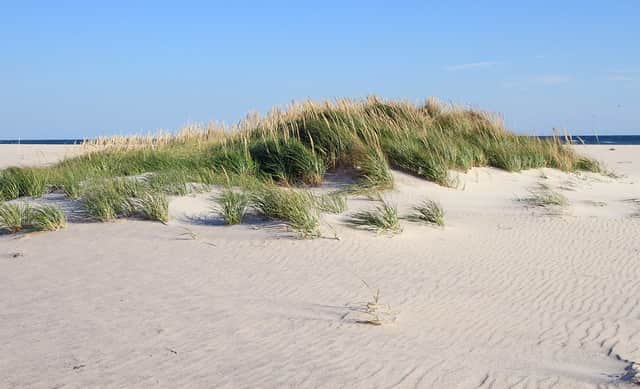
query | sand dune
(506,295)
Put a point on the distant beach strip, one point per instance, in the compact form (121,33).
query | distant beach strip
(575,139)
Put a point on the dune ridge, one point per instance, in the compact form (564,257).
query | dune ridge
(505,295)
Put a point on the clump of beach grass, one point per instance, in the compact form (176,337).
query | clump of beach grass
(154,206)
(14,217)
(288,161)
(382,219)
(172,182)
(106,200)
(17,217)
(291,206)
(331,203)
(47,218)
(71,186)
(376,175)
(8,188)
(17,182)
(232,205)
(428,212)
(545,197)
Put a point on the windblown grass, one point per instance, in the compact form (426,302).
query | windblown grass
(294,207)
(17,182)
(47,218)
(383,219)
(330,203)
(545,197)
(16,217)
(154,206)
(428,212)
(296,147)
(108,199)
(233,206)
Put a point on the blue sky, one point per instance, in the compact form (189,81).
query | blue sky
(85,68)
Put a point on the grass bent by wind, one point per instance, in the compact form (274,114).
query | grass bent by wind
(292,148)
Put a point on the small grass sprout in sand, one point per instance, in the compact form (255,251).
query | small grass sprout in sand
(545,197)
(47,218)
(382,219)
(428,212)
(232,205)
(14,217)
(372,312)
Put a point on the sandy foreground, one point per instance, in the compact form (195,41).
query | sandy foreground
(506,295)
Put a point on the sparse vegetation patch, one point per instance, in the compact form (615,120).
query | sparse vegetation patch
(382,219)
(428,212)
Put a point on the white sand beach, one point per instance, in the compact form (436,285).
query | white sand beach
(28,155)
(505,295)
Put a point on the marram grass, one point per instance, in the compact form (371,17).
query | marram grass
(382,219)
(154,206)
(293,147)
(17,217)
(330,203)
(427,212)
(294,207)
(14,217)
(47,218)
(232,205)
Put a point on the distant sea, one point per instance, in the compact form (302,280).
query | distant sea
(575,139)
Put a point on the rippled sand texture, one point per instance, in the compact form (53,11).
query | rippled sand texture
(506,295)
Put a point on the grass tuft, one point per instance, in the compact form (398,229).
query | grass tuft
(293,207)
(18,217)
(47,218)
(106,200)
(428,212)
(545,197)
(17,182)
(15,217)
(233,206)
(383,219)
(330,203)
(154,206)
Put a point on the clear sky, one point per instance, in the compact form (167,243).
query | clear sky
(85,68)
